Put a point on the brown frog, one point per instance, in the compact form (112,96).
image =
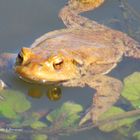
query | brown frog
(79,55)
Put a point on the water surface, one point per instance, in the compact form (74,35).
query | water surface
(21,22)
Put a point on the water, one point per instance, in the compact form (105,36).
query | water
(24,21)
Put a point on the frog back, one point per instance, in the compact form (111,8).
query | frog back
(98,51)
(88,44)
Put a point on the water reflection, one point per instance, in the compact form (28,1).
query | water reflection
(35,92)
(53,92)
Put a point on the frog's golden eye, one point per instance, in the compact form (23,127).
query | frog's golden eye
(57,64)
(19,59)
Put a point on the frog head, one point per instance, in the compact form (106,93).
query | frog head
(58,67)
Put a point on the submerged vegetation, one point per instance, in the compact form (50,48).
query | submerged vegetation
(17,117)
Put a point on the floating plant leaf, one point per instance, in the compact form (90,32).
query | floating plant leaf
(131,89)
(137,135)
(126,130)
(40,137)
(112,125)
(38,125)
(14,102)
(30,119)
(11,137)
(67,114)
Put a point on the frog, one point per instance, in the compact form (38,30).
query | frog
(81,54)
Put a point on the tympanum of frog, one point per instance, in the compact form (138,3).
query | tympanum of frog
(79,55)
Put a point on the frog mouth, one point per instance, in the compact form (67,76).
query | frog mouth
(30,78)
(42,82)
(21,72)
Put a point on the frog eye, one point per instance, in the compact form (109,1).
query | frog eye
(57,64)
(19,59)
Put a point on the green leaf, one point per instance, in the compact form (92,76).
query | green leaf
(131,89)
(40,137)
(11,137)
(126,130)
(14,102)
(117,123)
(67,113)
(38,125)
(137,135)
(30,119)
(112,112)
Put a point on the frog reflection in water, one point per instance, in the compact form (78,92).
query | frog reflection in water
(54,93)
(78,56)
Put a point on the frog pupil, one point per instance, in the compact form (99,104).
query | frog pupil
(58,66)
(20,58)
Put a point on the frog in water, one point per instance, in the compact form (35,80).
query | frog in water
(79,55)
